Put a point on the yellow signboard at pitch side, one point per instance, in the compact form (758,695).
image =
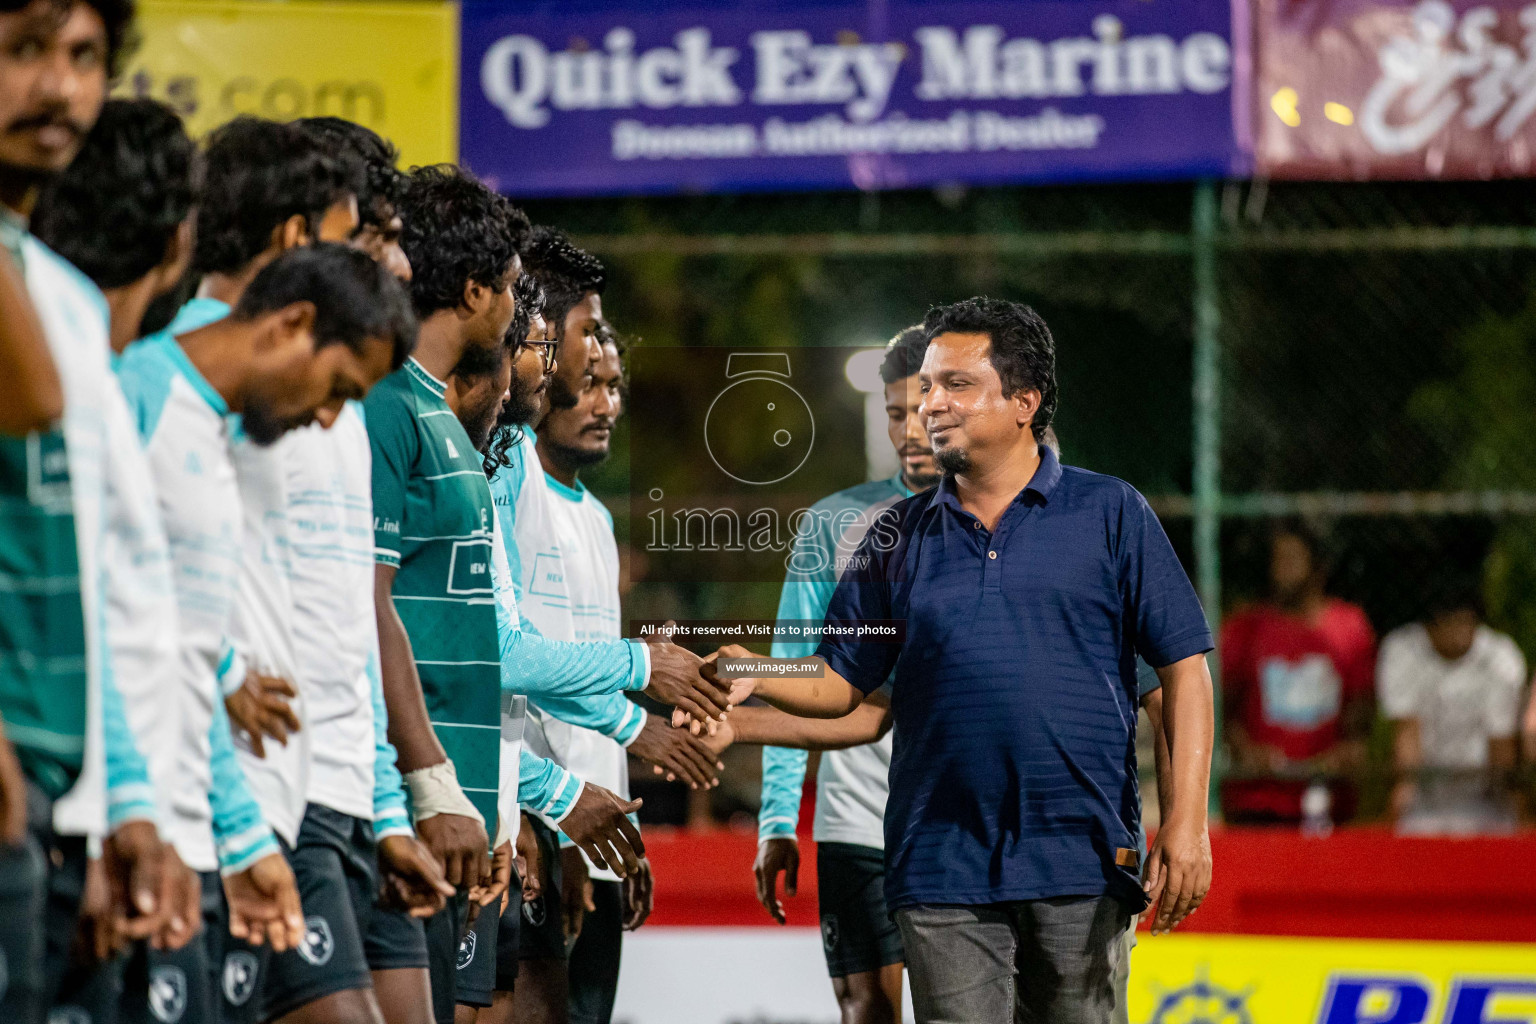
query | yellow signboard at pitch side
(392,66)
(1219,979)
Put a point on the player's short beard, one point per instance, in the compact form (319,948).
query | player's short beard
(571,456)
(261,426)
(560,394)
(923,481)
(952,460)
(522,406)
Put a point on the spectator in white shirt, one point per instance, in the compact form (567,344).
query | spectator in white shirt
(1452,687)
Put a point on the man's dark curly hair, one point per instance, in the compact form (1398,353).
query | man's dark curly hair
(114,211)
(529,297)
(383,181)
(356,300)
(259,174)
(566,272)
(456,231)
(530,301)
(904,354)
(1023,352)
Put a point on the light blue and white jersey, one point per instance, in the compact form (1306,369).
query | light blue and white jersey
(570,591)
(581,683)
(262,630)
(514,706)
(184,425)
(851,785)
(141,612)
(335,631)
(113,786)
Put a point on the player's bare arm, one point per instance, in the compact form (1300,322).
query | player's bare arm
(1179,863)
(459,843)
(867,723)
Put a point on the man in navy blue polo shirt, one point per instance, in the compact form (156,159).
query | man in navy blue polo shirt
(1027,590)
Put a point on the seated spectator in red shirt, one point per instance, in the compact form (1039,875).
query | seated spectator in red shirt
(1297,674)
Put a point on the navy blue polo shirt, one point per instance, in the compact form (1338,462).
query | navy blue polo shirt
(1014,693)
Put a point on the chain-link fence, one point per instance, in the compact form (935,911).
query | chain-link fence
(1361,358)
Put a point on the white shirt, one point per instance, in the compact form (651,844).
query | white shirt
(74,320)
(262,629)
(514,706)
(570,587)
(187,446)
(141,611)
(330,523)
(1460,705)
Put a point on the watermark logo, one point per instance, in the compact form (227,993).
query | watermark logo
(759,430)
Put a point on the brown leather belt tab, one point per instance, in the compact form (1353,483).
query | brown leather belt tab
(1127,858)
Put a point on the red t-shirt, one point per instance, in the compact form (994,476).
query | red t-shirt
(1285,679)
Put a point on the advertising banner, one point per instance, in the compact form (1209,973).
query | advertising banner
(771,975)
(391,66)
(1392,89)
(630,97)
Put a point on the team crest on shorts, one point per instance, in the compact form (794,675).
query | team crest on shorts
(466,950)
(533,912)
(239,976)
(168,993)
(318,945)
(829,932)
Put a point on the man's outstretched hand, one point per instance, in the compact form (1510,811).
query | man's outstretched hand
(676,680)
(676,752)
(597,824)
(738,688)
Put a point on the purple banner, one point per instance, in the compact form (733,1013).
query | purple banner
(584,98)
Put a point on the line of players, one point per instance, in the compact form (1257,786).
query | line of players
(298,616)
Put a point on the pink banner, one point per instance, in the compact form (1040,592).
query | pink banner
(1393,89)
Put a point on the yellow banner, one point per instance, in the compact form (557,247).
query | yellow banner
(1210,979)
(392,66)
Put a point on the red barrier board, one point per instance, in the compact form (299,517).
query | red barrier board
(1357,883)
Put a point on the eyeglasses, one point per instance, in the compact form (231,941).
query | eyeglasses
(547,355)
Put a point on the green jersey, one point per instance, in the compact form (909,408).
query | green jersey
(42,622)
(432,517)
(42,619)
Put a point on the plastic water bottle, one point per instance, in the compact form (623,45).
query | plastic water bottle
(1317,811)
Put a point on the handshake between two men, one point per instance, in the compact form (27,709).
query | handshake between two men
(598,824)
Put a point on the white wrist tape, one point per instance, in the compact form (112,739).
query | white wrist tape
(435,790)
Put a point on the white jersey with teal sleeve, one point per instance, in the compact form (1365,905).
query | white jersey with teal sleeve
(851,785)
(262,628)
(183,423)
(581,683)
(514,706)
(113,785)
(527,780)
(141,610)
(335,632)
(570,591)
